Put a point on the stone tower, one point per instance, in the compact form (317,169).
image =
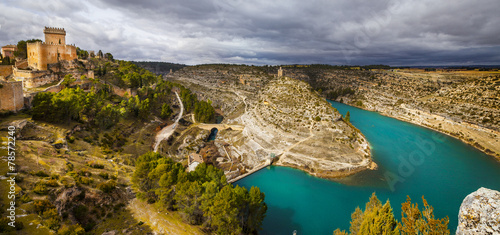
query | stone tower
(53,50)
(55,36)
(280,72)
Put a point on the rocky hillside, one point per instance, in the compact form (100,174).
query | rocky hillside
(479,213)
(293,122)
(463,104)
(282,117)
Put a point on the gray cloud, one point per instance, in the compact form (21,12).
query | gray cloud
(396,32)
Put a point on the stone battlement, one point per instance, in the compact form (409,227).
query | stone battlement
(48,44)
(54,30)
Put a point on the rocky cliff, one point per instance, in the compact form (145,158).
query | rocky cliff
(282,117)
(480,213)
(294,123)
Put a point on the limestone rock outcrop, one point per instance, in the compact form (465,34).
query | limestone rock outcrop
(480,213)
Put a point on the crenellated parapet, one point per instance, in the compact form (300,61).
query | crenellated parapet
(51,30)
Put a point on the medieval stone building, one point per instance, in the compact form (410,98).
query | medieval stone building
(53,50)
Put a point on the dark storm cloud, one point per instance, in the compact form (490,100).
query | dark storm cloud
(396,32)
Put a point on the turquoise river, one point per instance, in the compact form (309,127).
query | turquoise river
(412,161)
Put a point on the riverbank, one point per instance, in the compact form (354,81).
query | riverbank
(483,139)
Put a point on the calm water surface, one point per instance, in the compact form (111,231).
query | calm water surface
(412,161)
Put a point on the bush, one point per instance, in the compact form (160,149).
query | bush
(41,188)
(104,175)
(71,139)
(52,219)
(107,187)
(74,229)
(84,180)
(40,174)
(25,198)
(40,206)
(95,165)
(52,183)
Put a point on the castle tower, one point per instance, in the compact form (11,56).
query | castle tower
(280,72)
(54,36)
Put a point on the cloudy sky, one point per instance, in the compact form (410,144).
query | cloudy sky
(394,32)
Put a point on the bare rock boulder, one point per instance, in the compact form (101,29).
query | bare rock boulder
(480,213)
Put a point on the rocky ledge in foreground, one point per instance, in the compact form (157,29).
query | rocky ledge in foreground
(480,213)
(288,119)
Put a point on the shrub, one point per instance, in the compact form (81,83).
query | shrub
(84,180)
(107,187)
(40,174)
(95,165)
(71,139)
(40,206)
(104,175)
(52,219)
(25,198)
(52,183)
(74,229)
(41,188)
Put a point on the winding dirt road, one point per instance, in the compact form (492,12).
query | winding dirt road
(167,131)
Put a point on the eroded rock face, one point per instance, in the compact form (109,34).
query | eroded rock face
(480,213)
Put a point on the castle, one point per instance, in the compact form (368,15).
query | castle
(51,51)
(46,62)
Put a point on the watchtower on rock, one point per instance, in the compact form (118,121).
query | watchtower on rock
(280,72)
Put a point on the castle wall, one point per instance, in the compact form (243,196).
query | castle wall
(40,81)
(11,96)
(40,54)
(23,64)
(35,58)
(19,73)
(5,70)
(34,78)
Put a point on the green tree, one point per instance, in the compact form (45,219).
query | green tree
(224,212)
(108,116)
(42,106)
(257,211)
(166,111)
(188,200)
(144,109)
(68,79)
(347,117)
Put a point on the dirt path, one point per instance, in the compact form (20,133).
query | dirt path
(167,131)
(162,222)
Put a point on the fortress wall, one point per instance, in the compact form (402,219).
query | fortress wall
(6,70)
(40,54)
(19,73)
(34,55)
(51,52)
(11,96)
(68,52)
(40,81)
(22,64)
